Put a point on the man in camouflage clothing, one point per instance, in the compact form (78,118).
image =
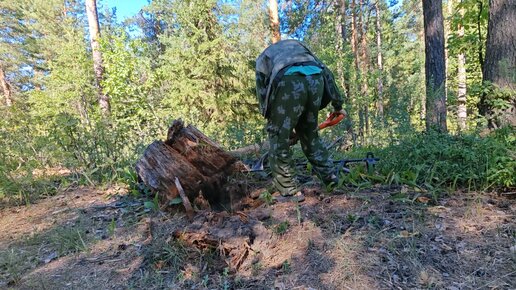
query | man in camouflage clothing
(292,85)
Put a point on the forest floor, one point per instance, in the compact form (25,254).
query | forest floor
(377,238)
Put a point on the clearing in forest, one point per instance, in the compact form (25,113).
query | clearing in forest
(380,238)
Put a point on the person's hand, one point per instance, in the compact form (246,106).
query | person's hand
(333,119)
(340,112)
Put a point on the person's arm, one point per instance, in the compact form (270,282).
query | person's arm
(261,90)
(336,98)
(263,69)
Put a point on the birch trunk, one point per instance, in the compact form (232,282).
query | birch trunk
(422,115)
(93,24)
(379,59)
(461,96)
(365,65)
(447,32)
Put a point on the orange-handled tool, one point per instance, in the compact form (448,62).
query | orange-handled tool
(333,119)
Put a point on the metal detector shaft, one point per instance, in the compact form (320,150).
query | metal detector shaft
(370,162)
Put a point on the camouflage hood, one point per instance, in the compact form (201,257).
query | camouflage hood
(283,54)
(277,57)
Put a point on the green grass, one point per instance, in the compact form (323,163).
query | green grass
(281,228)
(434,161)
(15,261)
(68,241)
(12,265)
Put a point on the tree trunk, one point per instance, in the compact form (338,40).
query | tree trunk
(340,31)
(447,31)
(6,88)
(422,115)
(479,32)
(274,20)
(197,162)
(354,38)
(365,65)
(354,49)
(93,23)
(379,59)
(435,71)
(500,61)
(461,96)
(342,18)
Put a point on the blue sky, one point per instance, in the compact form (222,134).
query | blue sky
(126,8)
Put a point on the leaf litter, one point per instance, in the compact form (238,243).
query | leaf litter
(361,239)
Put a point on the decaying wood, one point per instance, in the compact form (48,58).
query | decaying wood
(186,202)
(255,149)
(229,236)
(251,149)
(190,156)
(201,203)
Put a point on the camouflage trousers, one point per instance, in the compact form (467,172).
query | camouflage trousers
(295,105)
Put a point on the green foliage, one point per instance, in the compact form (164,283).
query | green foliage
(225,284)
(68,240)
(467,34)
(195,60)
(12,265)
(200,71)
(267,197)
(498,104)
(152,204)
(171,254)
(286,267)
(438,160)
(112,227)
(281,228)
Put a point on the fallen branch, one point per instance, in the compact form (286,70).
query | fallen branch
(250,149)
(186,202)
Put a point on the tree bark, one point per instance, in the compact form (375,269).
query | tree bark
(341,34)
(447,32)
(6,88)
(422,114)
(274,20)
(93,24)
(199,164)
(354,50)
(341,5)
(461,96)
(379,59)
(500,61)
(356,28)
(364,65)
(435,71)
(354,38)
(479,32)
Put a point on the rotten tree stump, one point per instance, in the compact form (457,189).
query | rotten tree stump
(200,165)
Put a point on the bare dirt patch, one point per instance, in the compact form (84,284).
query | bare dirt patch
(83,238)
(380,238)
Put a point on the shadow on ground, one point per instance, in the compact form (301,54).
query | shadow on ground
(380,238)
(83,238)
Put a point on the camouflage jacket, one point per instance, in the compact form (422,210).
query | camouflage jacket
(276,59)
